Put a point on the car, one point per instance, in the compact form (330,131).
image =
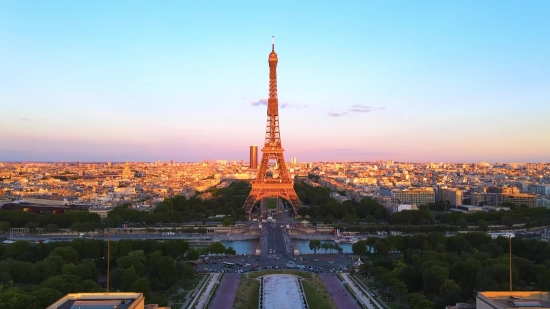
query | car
(315,260)
(331,262)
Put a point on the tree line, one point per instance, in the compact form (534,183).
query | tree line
(36,275)
(320,207)
(226,201)
(315,244)
(431,270)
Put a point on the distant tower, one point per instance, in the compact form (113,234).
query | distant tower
(293,161)
(265,185)
(254,157)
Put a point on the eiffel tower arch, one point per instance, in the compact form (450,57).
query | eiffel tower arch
(265,185)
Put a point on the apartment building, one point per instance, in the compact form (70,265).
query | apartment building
(453,195)
(518,199)
(418,196)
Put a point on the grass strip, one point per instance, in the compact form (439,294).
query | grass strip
(317,295)
(247,294)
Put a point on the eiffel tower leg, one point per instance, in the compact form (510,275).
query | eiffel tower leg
(249,203)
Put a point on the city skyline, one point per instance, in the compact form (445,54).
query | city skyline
(125,81)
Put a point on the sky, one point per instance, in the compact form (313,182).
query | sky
(414,81)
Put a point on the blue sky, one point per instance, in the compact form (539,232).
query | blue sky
(461,81)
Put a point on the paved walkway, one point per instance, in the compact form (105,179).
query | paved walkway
(227,291)
(202,299)
(363,295)
(188,299)
(338,292)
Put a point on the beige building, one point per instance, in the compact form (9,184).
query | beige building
(509,300)
(453,195)
(418,196)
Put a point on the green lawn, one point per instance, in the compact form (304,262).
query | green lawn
(317,295)
(271,203)
(247,294)
(179,298)
(302,274)
(189,285)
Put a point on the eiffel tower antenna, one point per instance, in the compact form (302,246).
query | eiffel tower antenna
(265,185)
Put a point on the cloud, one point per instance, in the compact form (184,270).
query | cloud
(292,105)
(335,114)
(25,119)
(260,102)
(359,108)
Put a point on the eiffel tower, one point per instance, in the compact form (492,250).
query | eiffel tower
(266,185)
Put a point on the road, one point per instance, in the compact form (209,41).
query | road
(275,235)
(227,291)
(341,296)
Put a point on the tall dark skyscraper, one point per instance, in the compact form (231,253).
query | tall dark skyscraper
(254,157)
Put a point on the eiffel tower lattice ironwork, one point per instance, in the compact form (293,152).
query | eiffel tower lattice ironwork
(265,185)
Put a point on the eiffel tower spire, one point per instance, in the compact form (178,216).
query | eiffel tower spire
(265,185)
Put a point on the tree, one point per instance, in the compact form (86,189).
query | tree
(419,301)
(32,226)
(68,254)
(433,279)
(87,270)
(216,248)
(193,254)
(51,228)
(227,221)
(186,271)
(462,223)
(4,226)
(163,273)
(128,278)
(46,296)
(314,244)
(359,248)
(91,286)
(53,265)
(381,248)
(64,283)
(14,299)
(412,279)
(128,261)
(68,269)
(483,225)
(507,220)
(138,255)
(449,292)
(142,286)
(230,251)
